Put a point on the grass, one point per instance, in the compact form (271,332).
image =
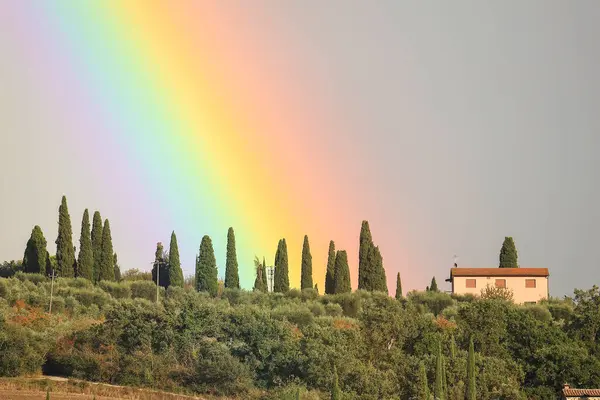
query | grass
(70,389)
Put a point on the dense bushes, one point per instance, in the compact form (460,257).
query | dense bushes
(244,343)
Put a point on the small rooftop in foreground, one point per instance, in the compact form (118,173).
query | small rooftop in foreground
(569,392)
(542,272)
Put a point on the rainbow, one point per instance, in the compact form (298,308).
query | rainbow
(199,122)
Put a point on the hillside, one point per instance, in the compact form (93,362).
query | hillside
(274,346)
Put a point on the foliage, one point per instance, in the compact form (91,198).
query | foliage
(259,282)
(341,279)
(433,287)
(206,268)
(281,279)
(398,287)
(160,262)
(116,268)
(471,378)
(106,269)
(508,254)
(232,278)
(175,271)
(85,261)
(275,345)
(371,274)
(96,236)
(330,272)
(306,279)
(65,253)
(36,255)
(490,292)
(135,274)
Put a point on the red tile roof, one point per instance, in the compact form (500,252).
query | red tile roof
(499,272)
(568,392)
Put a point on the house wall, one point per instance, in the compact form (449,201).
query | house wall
(514,283)
(581,398)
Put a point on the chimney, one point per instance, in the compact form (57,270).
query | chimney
(566,386)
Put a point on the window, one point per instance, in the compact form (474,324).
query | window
(530,302)
(530,283)
(471,283)
(500,283)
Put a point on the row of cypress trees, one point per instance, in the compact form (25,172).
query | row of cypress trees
(337,277)
(96,259)
(169,265)
(440,391)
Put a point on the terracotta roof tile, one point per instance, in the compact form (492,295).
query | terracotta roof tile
(499,272)
(568,392)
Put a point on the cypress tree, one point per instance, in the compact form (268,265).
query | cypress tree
(85,262)
(96,243)
(65,255)
(398,287)
(206,268)
(342,273)
(422,386)
(106,267)
(433,287)
(259,284)
(471,388)
(365,263)
(444,378)
(508,254)
(161,263)
(306,280)
(380,280)
(264,275)
(281,282)
(36,256)
(452,347)
(316,288)
(336,393)
(329,275)
(175,271)
(439,373)
(232,278)
(117,268)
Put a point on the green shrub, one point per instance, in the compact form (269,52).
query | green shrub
(118,290)
(333,310)
(143,290)
(33,278)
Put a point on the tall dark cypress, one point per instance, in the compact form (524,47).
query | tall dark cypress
(106,266)
(342,273)
(232,278)
(380,280)
(96,243)
(36,256)
(433,287)
(422,386)
(160,262)
(336,393)
(175,271)
(306,279)
(206,268)
(117,268)
(508,254)
(329,275)
(65,255)
(259,283)
(471,388)
(398,287)
(281,280)
(365,263)
(85,262)
(264,275)
(439,375)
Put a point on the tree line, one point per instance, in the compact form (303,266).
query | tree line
(96,260)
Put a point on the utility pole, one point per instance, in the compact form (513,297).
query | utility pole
(271,272)
(51,291)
